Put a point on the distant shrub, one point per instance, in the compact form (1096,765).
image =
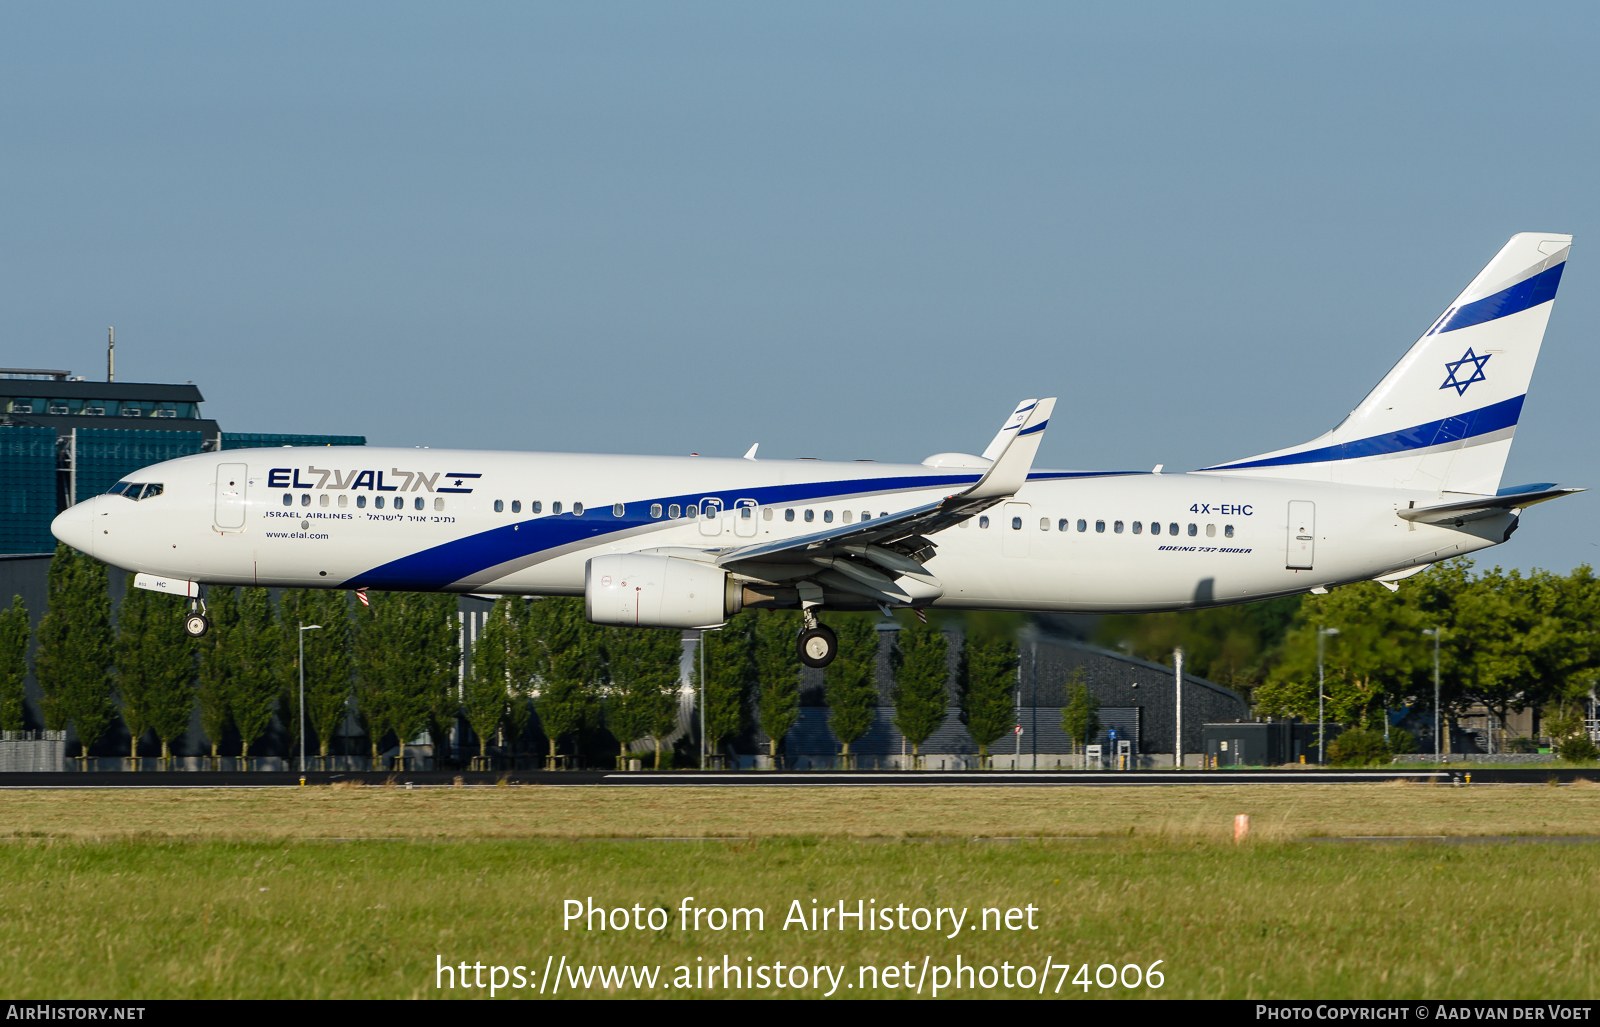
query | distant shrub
(1402,742)
(1577,749)
(1358,747)
(1520,744)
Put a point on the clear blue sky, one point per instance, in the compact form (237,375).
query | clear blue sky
(841,230)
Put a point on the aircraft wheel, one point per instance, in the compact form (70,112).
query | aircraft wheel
(195,625)
(818,646)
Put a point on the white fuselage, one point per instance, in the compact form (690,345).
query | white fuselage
(310,518)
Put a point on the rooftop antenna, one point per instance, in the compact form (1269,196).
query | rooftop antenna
(111,354)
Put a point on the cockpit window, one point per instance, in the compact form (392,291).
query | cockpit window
(134,490)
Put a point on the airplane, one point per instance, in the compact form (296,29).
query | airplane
(1409,478)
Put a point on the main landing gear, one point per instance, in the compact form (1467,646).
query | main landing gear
(196,623)
(818,645)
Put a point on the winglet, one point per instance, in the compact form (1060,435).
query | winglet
(1008,431)
(1015,459)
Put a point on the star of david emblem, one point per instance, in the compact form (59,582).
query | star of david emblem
(1480,375)
(1455,381)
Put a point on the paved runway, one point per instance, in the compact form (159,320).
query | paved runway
(1456,774)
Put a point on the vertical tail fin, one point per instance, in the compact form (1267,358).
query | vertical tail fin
(1443,418)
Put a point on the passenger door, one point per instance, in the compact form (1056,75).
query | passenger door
(1302,547)
(231,494)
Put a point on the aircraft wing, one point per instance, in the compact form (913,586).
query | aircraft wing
(904,528)
(1479,507)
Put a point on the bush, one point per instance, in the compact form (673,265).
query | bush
(1358,747)
(1520,744)
(1577,749)
(1402,742)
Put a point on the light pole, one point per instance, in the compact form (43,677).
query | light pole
(1177,685)
(1437,633)
(302,637)
(1322,633)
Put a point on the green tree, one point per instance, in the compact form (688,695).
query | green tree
(921,672)
(219,665)
(728,668)
(73,660)
(254,698)
(566,659)
(988,678)
(1231,645)
(519,666)
(328,662)
(643,670)
(487,689)
(1376,661)
(851,680)
(777,672)
(14,633)
(1080,717)
(155,667)
(407,651)
(1358,747)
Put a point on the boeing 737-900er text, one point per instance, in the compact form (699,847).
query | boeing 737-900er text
(1409,478)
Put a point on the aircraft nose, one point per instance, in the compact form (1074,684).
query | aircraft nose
(75,526)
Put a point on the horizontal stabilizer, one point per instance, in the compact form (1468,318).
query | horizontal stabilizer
(1479,507)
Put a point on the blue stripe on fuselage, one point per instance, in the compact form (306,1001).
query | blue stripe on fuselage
(442,565)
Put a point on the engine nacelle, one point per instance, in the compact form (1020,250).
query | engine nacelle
(641,590)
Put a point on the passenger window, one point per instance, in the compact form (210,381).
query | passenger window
(577,509)
(1083,525)
(1155,527)
(288,499)
(1193,531)
(965,523)
(361,502)
(1172,529)
(1044,524)
(788,515)
(438,504)
(1138,527)
(1117,527)
(746,513)
(1016,524)
(983,522)
(344,501)
(1100,526)
(766,513)
(305,497)
(810,516)
(1227,530)
(417,503)
(844,516)
(555,508)
(866,515)
(377,501)
(674,511)
(827,517)
(499,506)
(617,509)
(883,513)
(1211,531)
(516,506)
(655,509)
(536,506)
(322,500)
(1063,524)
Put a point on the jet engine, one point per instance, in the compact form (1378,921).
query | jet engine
(642,590)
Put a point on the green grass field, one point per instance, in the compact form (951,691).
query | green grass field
(247,893)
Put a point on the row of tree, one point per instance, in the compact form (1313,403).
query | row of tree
(1508,642)
(396,666)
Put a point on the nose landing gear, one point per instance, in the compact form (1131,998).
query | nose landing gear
(196,623)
